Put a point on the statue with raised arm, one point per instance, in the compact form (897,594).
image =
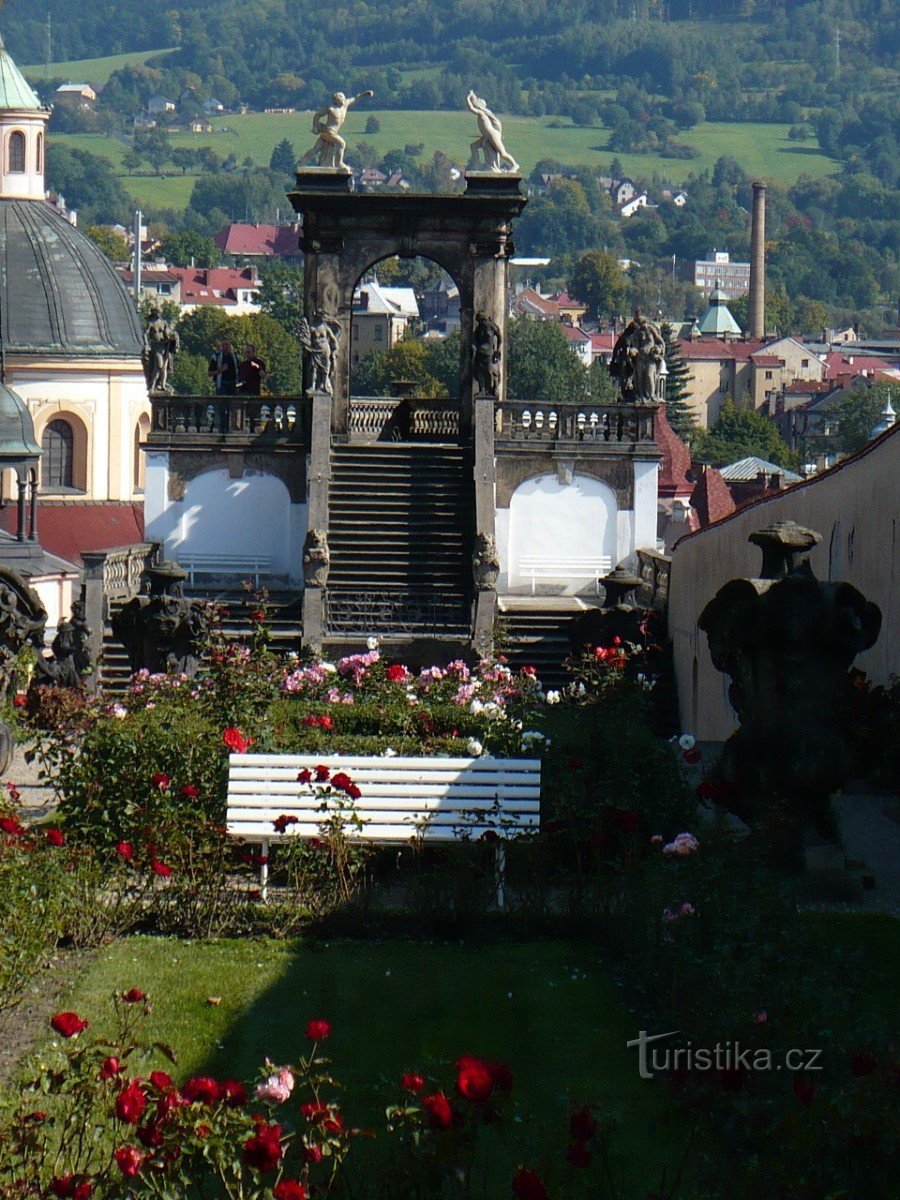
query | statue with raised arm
(319,339)
(636,360)
(486,342)
(490,140)
(161,344)
(326,124)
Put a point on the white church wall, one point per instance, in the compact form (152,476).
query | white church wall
(552,521)
(646,502)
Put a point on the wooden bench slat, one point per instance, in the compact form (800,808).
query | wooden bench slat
(343,762)
(264,816)
(374,791)
(372,833)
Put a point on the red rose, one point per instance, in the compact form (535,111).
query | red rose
(129,1160)
(130,1103)
(161,781)
(582,1125)
(34,1118)
(691,756)
(160,868)
(19,700)
(352,791)
(83,1189)
(578,1155)
(473,1079)
(326,722)
(201,1090)
(305,776)
(125,850)
(440,1114)
(341,780)
(234,1094)
(396,673)
(111,1068)
(312,1154)
(322,773)
(281,823)
(55,837)
(75,1186)
(68,1024)
(235,741)
(161,1080)
(411,1082)
(12,826)
(527,1186)
(190,791)
(502,1076)
(289,1189)
(134,996)
(263,1150)
(804,1090)
(151,1135)
(334,1122)
(314,1110)
(863,1064)
(317,1030)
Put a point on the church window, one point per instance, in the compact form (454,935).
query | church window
(58,443)
(40,153)
(16,153)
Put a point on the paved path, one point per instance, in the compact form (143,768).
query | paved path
(871,829)
(38,798)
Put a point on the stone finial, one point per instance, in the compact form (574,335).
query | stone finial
(784,545)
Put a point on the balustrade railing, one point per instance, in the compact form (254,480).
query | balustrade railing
(617,425)
(389,419)
(111,577)
(654,571)
(273,418)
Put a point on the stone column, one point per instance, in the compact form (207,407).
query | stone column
(758,263)
(319,481)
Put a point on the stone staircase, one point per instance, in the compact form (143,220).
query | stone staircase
(400,538)
(537,638)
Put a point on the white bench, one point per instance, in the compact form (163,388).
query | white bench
(402,800)
(246,565)
(563,570)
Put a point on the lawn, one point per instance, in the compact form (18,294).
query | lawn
(546,1008)
(91,70)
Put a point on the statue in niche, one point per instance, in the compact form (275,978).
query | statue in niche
(161,630)
(319,339)
(486,343)
(316,559)
(485,562)
(329,147)
(161,344)
(489,143)
(636,359)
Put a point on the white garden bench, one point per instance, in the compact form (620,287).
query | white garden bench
(564,570)
(248,566)
(402,800)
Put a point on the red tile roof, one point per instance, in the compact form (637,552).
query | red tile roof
(718,348)
(218,285)
(676,461)
(574,335)
(711,499)
(269,241)
(68,528)
(842,364)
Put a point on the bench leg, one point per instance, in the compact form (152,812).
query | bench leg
(500,872)
(264,873)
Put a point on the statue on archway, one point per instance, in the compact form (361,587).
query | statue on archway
(490,140)
(319,339)
(636,359)
(486,343)
(326,124)
(161,344)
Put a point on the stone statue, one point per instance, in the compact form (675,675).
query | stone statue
(787,641)
(161,344)
(490,140)
(486,342)
(485,562)
(71,662)
(316,559)
(330,146)
(161,630)
(22,622)
(636,359)
(319,340)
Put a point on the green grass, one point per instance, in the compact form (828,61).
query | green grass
(160,191)
(545,1008)
(874,937)
(91,70)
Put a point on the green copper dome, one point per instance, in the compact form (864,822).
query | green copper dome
(16,427)
(15,91)
(717,320)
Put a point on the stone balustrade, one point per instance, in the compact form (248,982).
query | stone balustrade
(245,420)
(409,418)
(618,427)
(112,577)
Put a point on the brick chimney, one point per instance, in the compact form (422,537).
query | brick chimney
(758,263)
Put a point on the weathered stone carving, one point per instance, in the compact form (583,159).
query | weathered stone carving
(316,559)
(489,143)
(319,340)
(329,147)
(485,562)
(636,360)
(161,630)
(787,641)
(486,357)
(71,662)
(161,344)
(22,622)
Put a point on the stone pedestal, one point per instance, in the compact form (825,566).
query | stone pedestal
(337,181)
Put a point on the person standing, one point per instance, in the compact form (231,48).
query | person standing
(223,369)
(251,372)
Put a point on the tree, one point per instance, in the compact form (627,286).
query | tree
(600,283)
(373,125)
(189,248)
(88,184)
(111,243)
(281,295)
(741,433)
(541,366)
(678,413)
(284,158)
(859,412)
(408,359)
(184,158)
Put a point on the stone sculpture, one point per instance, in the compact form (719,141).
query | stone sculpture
(486,344)
(161,630)
(329,147)
(71,662)
(787,641)
(636,359)
(22,622)
(316,559)
(319,339)
(485,562)
(489,142)
(161,344)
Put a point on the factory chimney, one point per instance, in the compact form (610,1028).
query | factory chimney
(758,263)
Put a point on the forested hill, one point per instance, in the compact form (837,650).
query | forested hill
(721,52)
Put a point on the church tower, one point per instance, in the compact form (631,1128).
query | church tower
(23,121)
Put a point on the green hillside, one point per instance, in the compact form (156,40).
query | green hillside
(91,70)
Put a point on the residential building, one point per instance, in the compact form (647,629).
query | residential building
(630,207)
(719,273)
(158,282)
(381,317)
(579,343)
(200,125)
(222,287)
(245,244)
(159,105)
(623,190)
(81,94)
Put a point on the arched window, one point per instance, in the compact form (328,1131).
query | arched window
(16,153)
(40,153)
(58,444)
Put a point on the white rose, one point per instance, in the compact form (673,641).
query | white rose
(476,706)
(389,753)
(474,747)
(372,643)
(553,697)
(329,668)
(686,741)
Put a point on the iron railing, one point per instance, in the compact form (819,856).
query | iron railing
(361,613)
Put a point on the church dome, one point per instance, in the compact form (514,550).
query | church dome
(59,295)
(16,427)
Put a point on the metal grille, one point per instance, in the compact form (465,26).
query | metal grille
(386,612)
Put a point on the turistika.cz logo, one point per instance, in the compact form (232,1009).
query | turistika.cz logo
(723,1056)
